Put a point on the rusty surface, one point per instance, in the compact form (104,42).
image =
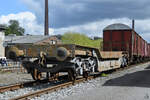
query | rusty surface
(111,54)
(125,40)
(50,50)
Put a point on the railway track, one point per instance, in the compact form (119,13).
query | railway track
(11,69)
(27,84)
(50,89)
(63,85)
(21,85)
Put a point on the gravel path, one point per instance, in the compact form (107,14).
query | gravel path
(130,84)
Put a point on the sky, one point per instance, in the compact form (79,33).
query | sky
(88,17)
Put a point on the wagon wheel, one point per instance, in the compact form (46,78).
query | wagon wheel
(36,75)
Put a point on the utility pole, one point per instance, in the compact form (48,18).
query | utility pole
(46,31)
(133,24)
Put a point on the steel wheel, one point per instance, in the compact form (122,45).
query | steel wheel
(36,75)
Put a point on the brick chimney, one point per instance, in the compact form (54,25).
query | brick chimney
(46,30)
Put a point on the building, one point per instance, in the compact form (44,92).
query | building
(2,49)
(31,39)
(28,39)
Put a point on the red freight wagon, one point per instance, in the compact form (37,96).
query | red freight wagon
(139,46)
(135,48)
(148,50)
(120,37)
(143,48)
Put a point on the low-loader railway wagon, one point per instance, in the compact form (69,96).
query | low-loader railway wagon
(75,59)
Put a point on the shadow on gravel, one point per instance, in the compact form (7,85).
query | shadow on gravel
(136,79)
(148,67)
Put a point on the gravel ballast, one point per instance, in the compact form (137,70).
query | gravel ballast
(12,94)
(130,84)
(12,78)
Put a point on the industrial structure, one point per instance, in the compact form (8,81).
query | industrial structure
(46,30)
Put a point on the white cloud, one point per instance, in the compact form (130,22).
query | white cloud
(27,20)
(94,28)
(142,27)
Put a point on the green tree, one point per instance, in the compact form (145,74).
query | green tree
(14,28)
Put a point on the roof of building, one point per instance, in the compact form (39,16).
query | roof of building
(117,26)
(25,39)
(2,27)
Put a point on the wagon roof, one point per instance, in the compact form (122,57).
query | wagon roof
(117,26)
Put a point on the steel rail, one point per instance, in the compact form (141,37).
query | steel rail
(63,85)
(50,89)
(11,69)
(21,85)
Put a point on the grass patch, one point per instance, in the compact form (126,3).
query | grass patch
(81,39)
(104,75)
